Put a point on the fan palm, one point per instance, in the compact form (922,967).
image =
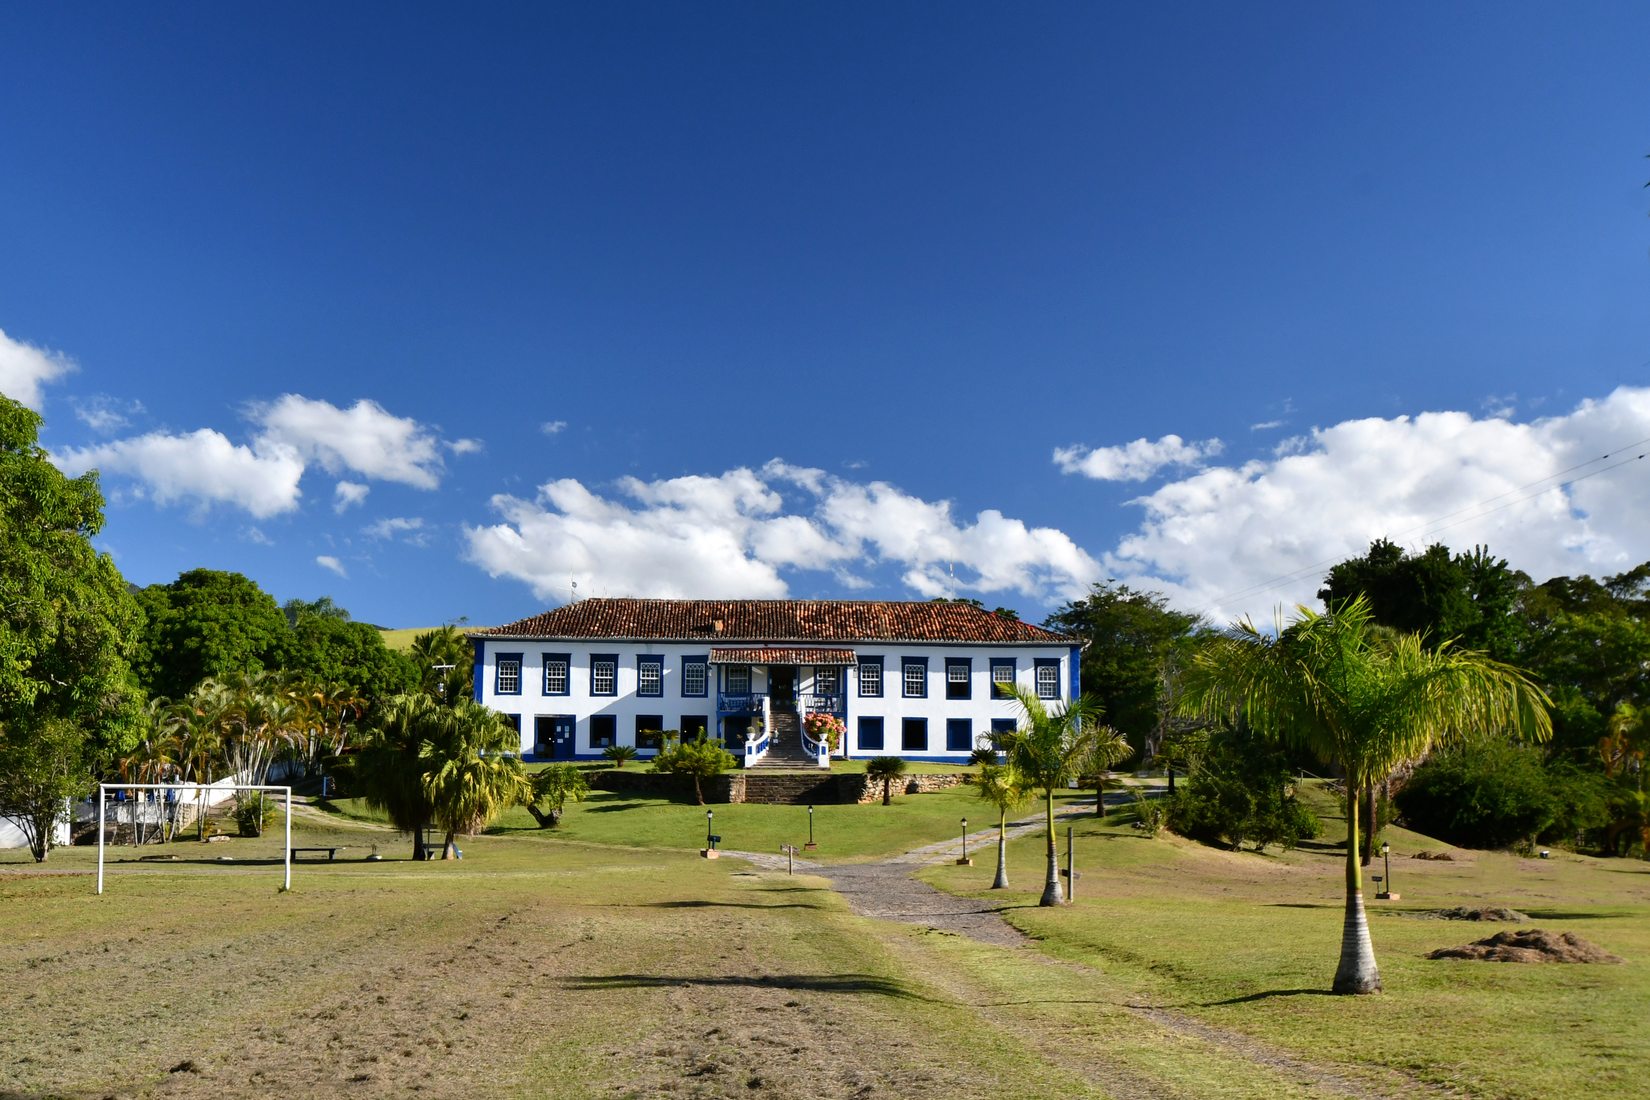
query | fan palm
(1365,699)
(1048,751)
(884,770)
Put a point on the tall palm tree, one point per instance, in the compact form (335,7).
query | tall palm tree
(470,770)
(1000,785)
(1110,749)
(1362,698)
(387,770)
(1047,752)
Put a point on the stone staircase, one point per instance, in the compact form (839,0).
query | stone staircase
(785,751)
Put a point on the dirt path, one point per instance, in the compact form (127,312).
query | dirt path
(886,890)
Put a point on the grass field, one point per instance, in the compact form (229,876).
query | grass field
(611,960)
(402,637)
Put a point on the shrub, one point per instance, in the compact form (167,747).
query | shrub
(1500,795)
(1237,790)
(701,759)
(1150,813)
(884,770)
(253,813)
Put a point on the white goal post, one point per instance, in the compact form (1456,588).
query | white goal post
(103,790)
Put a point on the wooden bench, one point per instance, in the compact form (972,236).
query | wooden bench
(331,852)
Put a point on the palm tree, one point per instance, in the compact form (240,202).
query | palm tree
(1048,751)
(885,769)
(386,770)
(1110,748)
(1362,698)
(470,770)
(1000,785)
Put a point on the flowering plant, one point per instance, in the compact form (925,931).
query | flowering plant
(825,727)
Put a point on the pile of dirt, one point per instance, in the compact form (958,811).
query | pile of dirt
(1445,856)
(1491,912)
(1530,945)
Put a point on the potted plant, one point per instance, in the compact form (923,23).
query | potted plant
(822,726)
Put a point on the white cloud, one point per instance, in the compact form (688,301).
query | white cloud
(327,561)
(1135,461)
(553,427)
(1266,425)
(410,529)
(738,533)
(348,494)
(1236,540)
(254,534)
(363,439)
(24,369)
(464,446)
(104,415)
(203,466)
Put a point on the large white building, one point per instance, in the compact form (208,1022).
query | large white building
(917,680)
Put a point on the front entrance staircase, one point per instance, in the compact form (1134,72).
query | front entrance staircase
(785,752)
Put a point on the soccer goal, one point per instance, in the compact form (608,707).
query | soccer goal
(177,790)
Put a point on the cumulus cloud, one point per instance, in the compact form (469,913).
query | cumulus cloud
(363,439)
(740,533)
(1243,539)
(348,494)
(25,369)
(553,427)
(1135,461)
(327,561)
(202,466)
(464,446)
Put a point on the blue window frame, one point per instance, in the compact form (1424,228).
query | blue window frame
(738,679)
(870,677)
(959,735)
(557,676)
(695,678)
(914,677)
(913,735)
(650,675)
(648,730)
(870,734)
(603,728)
(1048,679)
(604,674)
(1002,676)
(507,674)
(959,673)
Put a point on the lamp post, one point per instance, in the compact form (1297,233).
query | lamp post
(965,861)
(710,816)
(810,828)
(1386,858)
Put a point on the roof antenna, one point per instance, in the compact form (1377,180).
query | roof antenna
(574,585)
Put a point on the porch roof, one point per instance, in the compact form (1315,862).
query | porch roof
(782,655)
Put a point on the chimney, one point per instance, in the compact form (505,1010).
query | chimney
(717,625)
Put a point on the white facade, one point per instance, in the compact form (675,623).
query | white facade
(571,698)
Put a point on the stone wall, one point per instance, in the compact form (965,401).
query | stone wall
(909,784)
(794,789)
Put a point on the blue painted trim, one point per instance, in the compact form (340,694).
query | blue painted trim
(498,659)
(902,723)
(951,727)
(967,665)
(905,692)
(1036,676)
(656,661)
(545,661)
(1013,666)
(594,659)
(703,662)
(882,734)
(590,732)
(476,681)
(1076,671)
(882,678)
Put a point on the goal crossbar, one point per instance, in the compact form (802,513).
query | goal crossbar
(103,790)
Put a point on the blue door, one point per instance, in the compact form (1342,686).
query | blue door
(553,736)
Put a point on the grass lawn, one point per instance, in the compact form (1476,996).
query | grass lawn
(591,960)
(1248,942)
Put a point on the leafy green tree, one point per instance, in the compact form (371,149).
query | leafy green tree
(1500,795)
(1047,752)
(208,624)
(469,769)
(1364,699)
(328,649)
(1000,785)
(42,768)
(553,785)
(66,616)
(700,759)
(884,770)
(1132,639)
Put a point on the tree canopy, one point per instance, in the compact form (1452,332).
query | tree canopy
(66,616)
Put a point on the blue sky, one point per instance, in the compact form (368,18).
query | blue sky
(439,310)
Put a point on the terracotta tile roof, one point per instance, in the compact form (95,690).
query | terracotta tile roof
(770,622)
(771,655)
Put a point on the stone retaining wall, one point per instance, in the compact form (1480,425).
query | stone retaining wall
(797,789)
